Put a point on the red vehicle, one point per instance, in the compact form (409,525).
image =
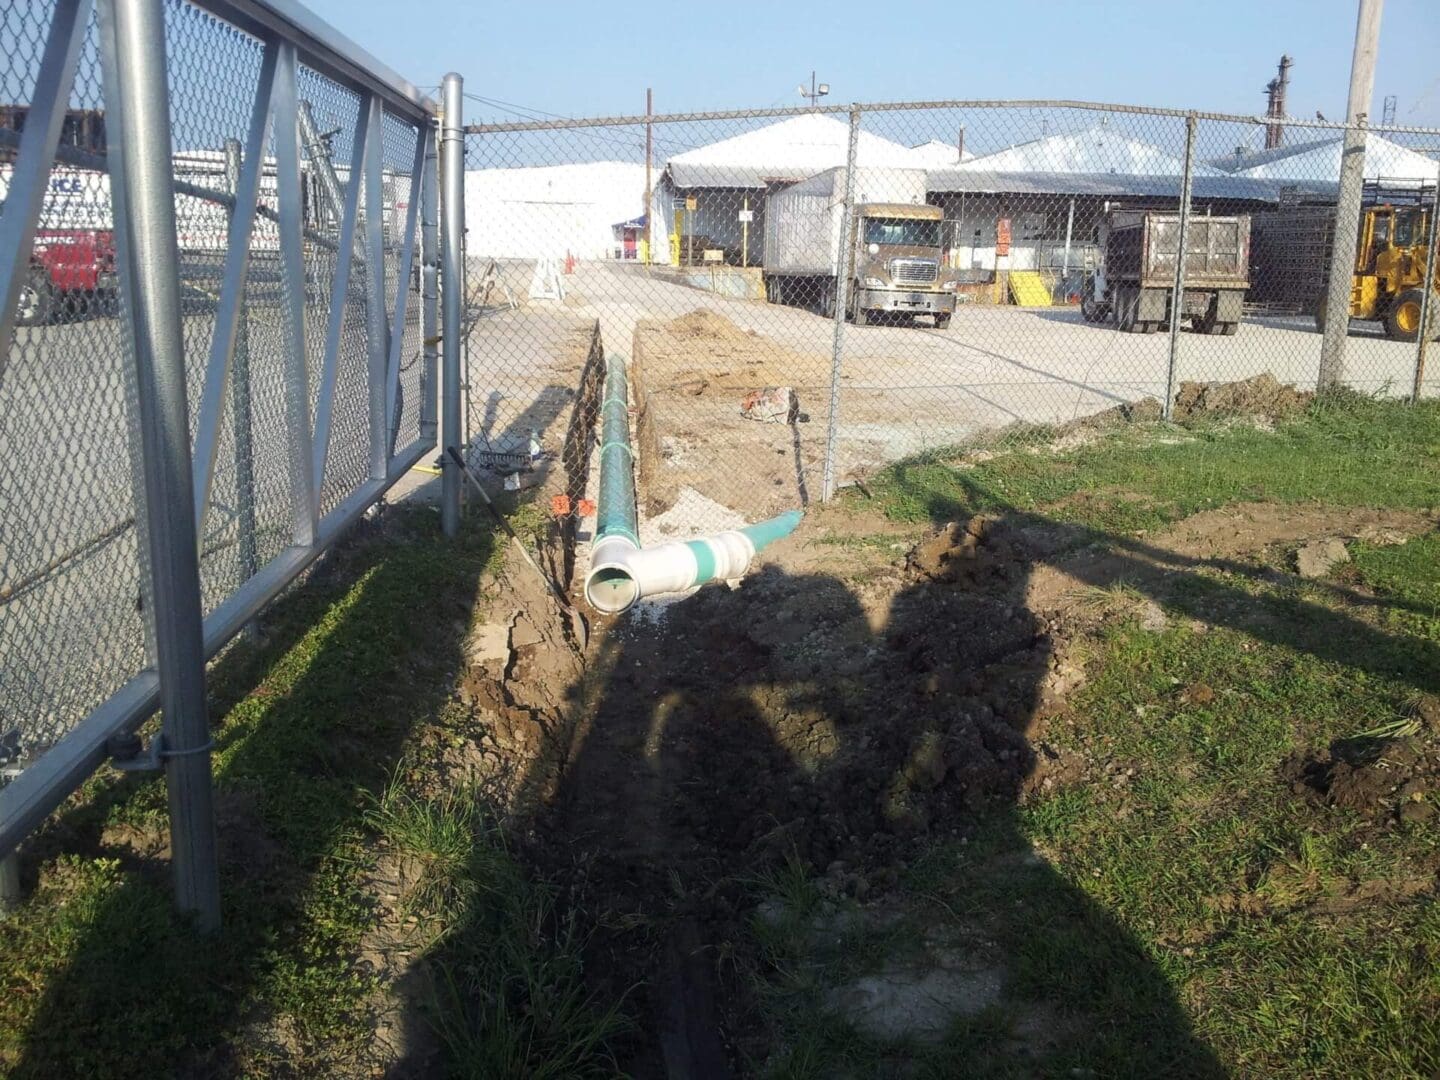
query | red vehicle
(68,268)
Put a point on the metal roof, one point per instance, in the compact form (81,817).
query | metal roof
(789,150)
(1097,150)
(1213,185)
(1319,161)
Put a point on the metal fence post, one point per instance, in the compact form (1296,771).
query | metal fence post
(452,275)
(9,883)
(1427,298)
(1347,204)
(134,48)
(240,407)
(429,282)
(844,264)
(1177,292)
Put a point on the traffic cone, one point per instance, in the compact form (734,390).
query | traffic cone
(569,263)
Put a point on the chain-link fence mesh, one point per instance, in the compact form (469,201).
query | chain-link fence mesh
(73,614)
(991,263)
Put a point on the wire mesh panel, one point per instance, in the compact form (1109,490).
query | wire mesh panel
(945,269)
(304,375)
(71,602)
(1294,170)
(978,273)
(730,392)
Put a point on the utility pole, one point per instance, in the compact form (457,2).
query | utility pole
(649,158)
(1347,206)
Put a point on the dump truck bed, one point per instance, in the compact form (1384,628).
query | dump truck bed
(1141,250)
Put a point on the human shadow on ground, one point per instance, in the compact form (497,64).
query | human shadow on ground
(845,727)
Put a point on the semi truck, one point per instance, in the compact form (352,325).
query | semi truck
(894,254)
(1136,275)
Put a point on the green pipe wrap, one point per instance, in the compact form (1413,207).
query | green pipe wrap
(616,515)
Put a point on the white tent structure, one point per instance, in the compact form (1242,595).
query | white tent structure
(1318,161)
(549,211)
(1095,151)
(791,149)
(730,177)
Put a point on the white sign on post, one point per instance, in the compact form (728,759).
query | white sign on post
(747,215)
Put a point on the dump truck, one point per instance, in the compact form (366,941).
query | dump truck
(1136,275)
(1392,254)
(894,252)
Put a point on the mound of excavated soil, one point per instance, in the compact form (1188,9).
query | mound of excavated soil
(1262,395)
(1383,779)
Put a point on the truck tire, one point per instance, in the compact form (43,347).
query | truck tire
(854,311)
(1093,311)
(1228,329)
(37,299)
(942,321)
(1402,320)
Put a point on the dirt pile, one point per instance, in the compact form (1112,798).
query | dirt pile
(1262,395)
(1384,778)
(690,377)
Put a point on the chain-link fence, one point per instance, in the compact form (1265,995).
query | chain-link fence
(805,296)
(295,171)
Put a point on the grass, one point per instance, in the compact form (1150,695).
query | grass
(508,995)
(1202,917)
(99,978)
(1348,451)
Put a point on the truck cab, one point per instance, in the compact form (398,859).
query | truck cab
(899,263)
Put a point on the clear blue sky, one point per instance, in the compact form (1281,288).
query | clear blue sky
(589,58)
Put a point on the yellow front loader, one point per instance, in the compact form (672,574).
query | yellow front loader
(1392,255)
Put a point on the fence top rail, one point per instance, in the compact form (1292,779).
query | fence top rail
(561,123)
(323,47)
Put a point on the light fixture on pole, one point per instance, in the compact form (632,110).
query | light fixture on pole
(816,91)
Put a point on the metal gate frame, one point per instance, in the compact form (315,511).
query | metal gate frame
(176,477)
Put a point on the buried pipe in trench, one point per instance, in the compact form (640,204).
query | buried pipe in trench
(621,571)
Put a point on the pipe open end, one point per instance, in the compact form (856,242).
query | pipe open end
(611,589)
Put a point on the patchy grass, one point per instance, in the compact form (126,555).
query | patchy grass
(1346,452)
(1191,907)
(100,978)
(509,995)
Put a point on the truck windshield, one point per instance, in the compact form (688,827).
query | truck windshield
(916,233)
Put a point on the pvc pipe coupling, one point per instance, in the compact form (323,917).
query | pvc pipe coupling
(622,572)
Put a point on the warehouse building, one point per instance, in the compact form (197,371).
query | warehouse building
(1047,197)
(713,198)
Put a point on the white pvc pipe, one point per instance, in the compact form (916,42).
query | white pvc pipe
(622,573)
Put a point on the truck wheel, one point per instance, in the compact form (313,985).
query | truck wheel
(1402,321)
(37,299)
(1091,311)
(942,321)
(1228,329)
